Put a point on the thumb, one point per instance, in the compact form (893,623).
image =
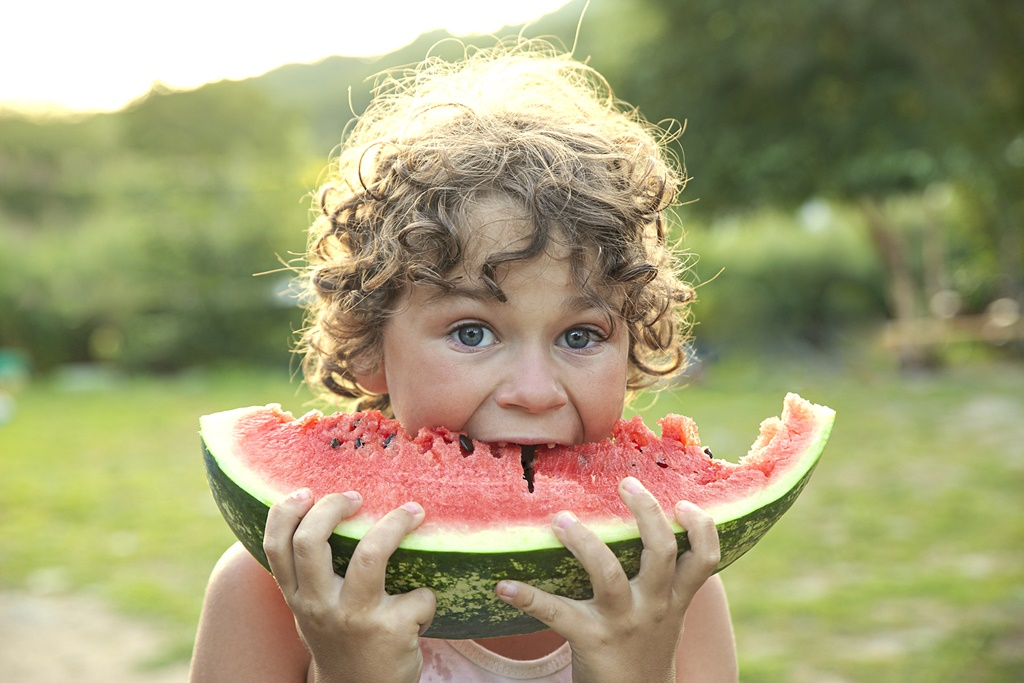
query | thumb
(551,610)
(422,604)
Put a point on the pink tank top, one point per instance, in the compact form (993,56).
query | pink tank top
(465,661)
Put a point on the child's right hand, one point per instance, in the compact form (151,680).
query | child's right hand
(352,628)
(631,629)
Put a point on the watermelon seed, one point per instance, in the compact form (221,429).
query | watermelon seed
(661,463)
(388,440)
(526,459)
(466,444)
(335,442)
(359,442)
(707,452)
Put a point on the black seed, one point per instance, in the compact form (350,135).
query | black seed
(466,444)
(526,459)
(387,441)
(707,452)
(661,463)
(335,442)
(359,442)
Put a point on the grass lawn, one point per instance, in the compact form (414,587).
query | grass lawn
(902,561)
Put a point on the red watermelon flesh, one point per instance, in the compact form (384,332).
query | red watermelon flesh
(482,487)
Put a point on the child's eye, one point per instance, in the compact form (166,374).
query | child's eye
(580,337)
(473,334)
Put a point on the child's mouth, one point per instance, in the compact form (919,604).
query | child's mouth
(528,453)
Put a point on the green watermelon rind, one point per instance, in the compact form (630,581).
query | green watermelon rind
(463,578)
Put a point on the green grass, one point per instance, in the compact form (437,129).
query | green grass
(904,558)
(102,489)
(902,561)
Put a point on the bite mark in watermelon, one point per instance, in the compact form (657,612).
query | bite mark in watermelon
(483,523)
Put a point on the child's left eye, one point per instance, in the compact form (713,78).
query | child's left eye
(473,334)
(579,337)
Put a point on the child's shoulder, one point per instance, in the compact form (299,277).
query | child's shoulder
(707,650)
(238,576)
(242,582)
(237,562)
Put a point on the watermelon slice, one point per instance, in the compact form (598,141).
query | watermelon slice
(483,522)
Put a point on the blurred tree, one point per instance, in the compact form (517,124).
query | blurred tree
(133,237)
(225,118)
(850,99)
(858,101)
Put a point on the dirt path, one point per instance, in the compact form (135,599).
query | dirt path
(55,639)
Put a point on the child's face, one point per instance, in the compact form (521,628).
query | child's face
(543,367)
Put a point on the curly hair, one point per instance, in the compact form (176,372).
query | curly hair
(524,122)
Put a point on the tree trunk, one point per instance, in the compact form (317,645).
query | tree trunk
(904,299)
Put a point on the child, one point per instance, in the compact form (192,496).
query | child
(490,257)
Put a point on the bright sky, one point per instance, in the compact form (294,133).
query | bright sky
(101,54)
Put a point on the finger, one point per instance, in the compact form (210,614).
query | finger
(421,605)
(557,613)
(700,561)
(314,560)
(364,578)
(658,559)
(609,580)
(282,521)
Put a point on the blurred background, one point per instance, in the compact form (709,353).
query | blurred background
(856,215)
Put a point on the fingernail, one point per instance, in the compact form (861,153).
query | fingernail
(413,508)
(564,520)
(352,495)
(300,495)
(633,485)
(684,505)
(507,589)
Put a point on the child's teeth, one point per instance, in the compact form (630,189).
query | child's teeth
(551,445)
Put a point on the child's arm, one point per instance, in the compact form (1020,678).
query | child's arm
(632,630)
(246,631)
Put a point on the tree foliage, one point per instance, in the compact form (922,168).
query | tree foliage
(133,237)
(786,101)
(862,102)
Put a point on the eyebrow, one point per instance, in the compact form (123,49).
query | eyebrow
(457,292)
(571,305)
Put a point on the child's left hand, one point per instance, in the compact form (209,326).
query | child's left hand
(631,628)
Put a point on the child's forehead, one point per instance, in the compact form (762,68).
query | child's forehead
(500,239)
(514,278)
(494,223)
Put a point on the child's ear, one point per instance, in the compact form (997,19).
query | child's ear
(375,382)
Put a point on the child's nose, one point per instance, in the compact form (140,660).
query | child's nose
(532,384)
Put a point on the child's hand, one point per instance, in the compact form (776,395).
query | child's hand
(351,627)
(630,629)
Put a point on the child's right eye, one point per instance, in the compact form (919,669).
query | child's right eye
(473,334)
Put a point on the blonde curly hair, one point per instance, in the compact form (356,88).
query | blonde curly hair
(521,121)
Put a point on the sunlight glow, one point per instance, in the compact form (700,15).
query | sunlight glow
(100,55)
